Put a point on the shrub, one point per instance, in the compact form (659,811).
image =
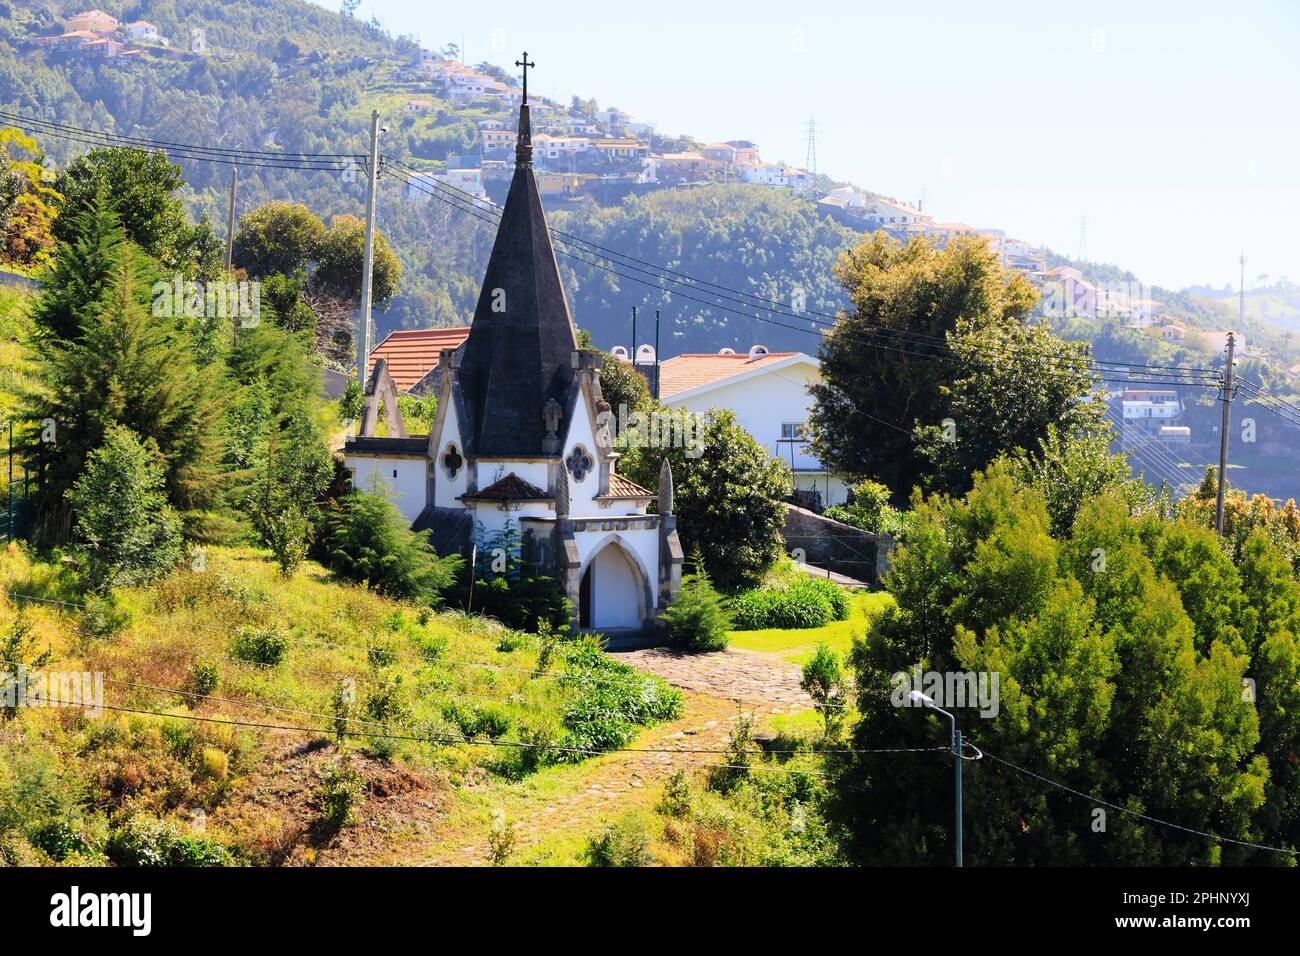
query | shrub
(204,677)
(341,792)
(214,764)
(386,703)
(59,839)
(265,645)
(147,841)
(800,604)
(837,597)
(501,838)
(740,750)
(130,533)
(676,798)
(102,617)
(624,843)
(612,700)
(823,681)
(367,540)
(698,617)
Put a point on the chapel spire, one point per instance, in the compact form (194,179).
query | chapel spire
(517,365)
(524,144)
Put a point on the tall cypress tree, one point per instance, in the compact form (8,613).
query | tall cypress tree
(120,365)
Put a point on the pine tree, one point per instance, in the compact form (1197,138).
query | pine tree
(125,367)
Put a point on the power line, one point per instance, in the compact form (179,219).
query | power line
(304,162)
(1135,813)
(1103,370)
(166,144)
(473,205)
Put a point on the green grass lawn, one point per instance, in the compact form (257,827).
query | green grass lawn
(798,645)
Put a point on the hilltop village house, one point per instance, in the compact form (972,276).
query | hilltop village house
(521,439)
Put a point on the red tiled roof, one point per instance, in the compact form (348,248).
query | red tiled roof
(509,488)
(620,487)
(695,369)
(411,353)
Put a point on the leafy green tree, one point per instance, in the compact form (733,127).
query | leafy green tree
(144,187)
(27,202)
(880,377)
(284,294)
(130,533)
(278,238)
(623,387)
(342,252)
(1069,469)
(727,492)
(1008,384)
(298,469)
(1103,685)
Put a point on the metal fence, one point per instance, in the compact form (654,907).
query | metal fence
(15,505)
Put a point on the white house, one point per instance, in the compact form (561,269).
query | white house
(468,181)
(768,391)
(522,440)
(777,175)
(142,31)
(1151,407)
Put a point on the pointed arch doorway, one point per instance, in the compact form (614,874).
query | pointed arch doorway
(613,593)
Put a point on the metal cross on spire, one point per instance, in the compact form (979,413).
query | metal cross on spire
(525,64)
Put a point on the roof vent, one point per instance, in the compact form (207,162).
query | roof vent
(726,351)
(756,352)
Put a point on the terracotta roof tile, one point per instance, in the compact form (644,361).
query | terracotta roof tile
(509,488)
(692,370)
(620,487)
(411,353)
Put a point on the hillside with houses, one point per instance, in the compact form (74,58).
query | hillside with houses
(405,470)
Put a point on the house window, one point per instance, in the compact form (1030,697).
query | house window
(794,431)
(451,461)
(579,463)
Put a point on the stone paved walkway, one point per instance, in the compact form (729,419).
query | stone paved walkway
(718,687)
(764,683)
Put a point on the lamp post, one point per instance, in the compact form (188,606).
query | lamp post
(917,697)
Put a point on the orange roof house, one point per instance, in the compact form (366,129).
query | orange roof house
(696,369)
(413,353)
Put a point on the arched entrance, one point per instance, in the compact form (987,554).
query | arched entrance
(612,593)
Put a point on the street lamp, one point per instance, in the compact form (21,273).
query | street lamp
(916,697)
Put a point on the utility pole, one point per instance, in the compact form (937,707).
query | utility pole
(657,359)
(810,161)
(1223,432)
(230,220)
(956,763)
(916,697)
(634,338)
(368,264)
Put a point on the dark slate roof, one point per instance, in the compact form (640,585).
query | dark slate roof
(451,530)
(509,488)
(370,445)
(517,359)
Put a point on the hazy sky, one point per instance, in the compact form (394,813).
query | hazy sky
(1172,126)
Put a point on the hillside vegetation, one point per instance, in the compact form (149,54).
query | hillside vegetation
(404,716)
